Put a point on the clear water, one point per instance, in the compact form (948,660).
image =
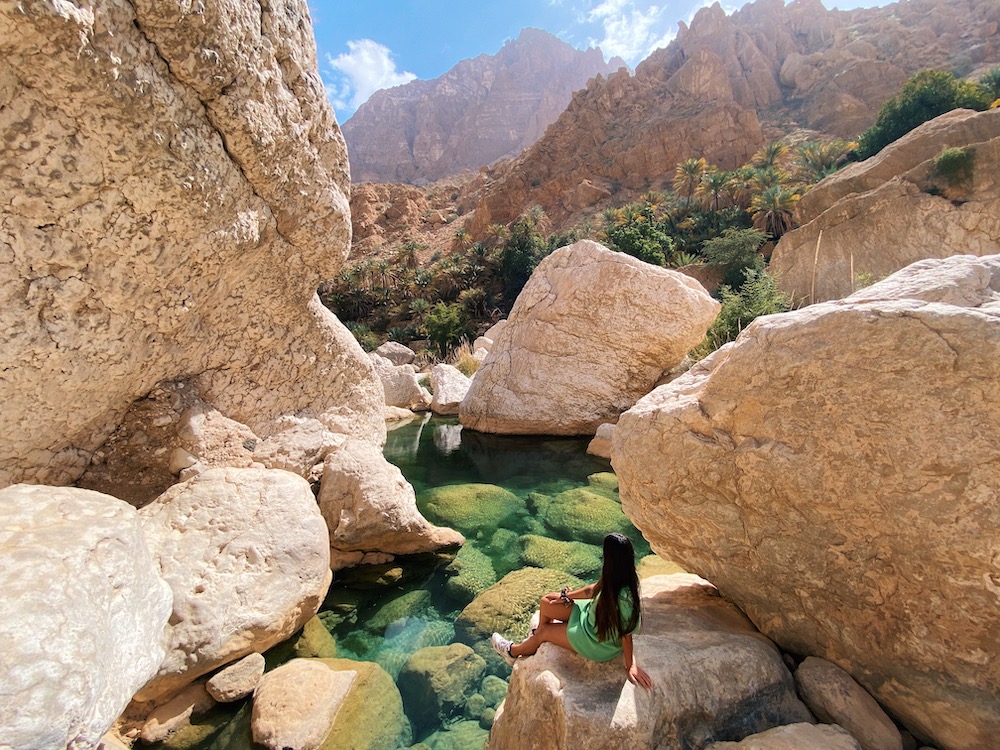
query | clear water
(386,613)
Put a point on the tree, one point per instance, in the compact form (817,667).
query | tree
(770,156)
(772,210)
(815,160)
(991,82)
(635,230)
(926,95)
(735,252)
(758,295)
(522,251)
(688,175)
(713,186)
(446,325)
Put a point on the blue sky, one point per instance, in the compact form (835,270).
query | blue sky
(365,45)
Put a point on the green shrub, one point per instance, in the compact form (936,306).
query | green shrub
(735,252)
(446,325)
(757,296)
(364,335)
(954,165)
(991,82)
(522,251)
(926,95)
(636,231)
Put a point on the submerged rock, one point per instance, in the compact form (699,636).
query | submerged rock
(585,514)
(371,716)
(462,735)
(471,573)
(82,613)
(247,555)
(591,332)
(475,509)
(715,678)
(833,469)
(576,558)
(436,681)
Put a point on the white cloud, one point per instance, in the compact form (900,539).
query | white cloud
(366,67)
(629,31)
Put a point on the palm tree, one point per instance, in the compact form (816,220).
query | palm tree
(713,186)
(815,160)
(766,177)
(688,175)
(772,210)
(770,155)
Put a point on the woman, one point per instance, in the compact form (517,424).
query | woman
(596,621)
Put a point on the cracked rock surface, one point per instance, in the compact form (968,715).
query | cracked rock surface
(174,188)
(835,472)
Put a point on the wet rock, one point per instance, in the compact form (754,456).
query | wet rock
(82,603)
(470,574)
(246,553)
(587,515)
(576,558)
(459,736)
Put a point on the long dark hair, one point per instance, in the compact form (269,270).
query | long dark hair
(618,573)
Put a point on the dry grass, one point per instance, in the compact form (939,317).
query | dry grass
(461,357)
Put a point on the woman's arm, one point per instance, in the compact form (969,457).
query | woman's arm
(587,592)
(636,674)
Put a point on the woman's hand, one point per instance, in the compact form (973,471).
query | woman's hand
(552,598)
(637,676)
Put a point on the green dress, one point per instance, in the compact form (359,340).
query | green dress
(581,630)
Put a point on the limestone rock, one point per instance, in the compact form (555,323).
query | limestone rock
(590,334)
(396,353)
(369,506)
(795,737)
(400,384)
(166,169)
(477,112)
(237,680)
(891,210)
(824,495)
(835,698)
(714,676)
(176,713)
(82,612)
(600,445)
(295,705)
(450,387)
(435,681)
(247,555)
(299,447)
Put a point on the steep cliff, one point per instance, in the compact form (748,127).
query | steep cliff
(728,84)
(479,111)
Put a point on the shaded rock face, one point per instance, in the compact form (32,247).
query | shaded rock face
(78,638)
(891,210)
(720,85)
(480,110)
(715,678)
(591,332)
(175,190)
(833,471)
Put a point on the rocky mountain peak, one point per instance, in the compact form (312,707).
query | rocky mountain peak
(479,111)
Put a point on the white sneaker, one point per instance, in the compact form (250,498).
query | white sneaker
(535,618)
(502,646)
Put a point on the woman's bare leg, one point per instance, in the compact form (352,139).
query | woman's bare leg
(550,632)
(551,607)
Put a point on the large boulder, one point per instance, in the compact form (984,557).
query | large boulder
(799,736)
(370,507)
(400,384)
(873,218)
(82,613)
(167,165)
(715,678)
(450,386)
(591,332)
(247,555)
(436,681)
(834,471)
